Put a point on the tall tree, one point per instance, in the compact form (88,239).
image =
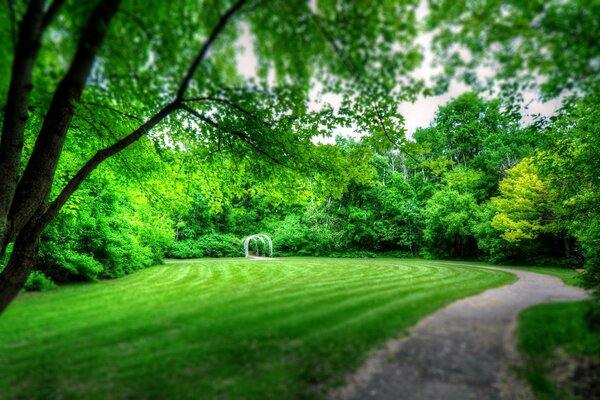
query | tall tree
(135,65)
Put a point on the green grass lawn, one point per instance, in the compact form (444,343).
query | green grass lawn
(567,275)
(545,329)
(213,329)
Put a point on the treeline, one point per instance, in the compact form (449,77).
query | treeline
(475,184)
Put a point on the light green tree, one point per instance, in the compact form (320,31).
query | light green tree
(523,205)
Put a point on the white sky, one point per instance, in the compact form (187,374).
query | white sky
(417,114)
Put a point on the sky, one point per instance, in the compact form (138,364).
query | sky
(417,114)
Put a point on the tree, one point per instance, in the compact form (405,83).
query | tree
(571,167)
(448,217)
(523,205)
(476,133)
(135,73)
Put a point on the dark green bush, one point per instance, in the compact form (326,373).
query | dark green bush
(185,249)
(212,245)
(221,245)
(354,254)
(104,232)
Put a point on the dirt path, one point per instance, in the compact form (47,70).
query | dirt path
(463,351)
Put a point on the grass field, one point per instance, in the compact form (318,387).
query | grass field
(237,329)
(542,343)
(568,275)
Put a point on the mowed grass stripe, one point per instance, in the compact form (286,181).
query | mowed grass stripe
(280,306)
(322,301)
(315,294)
(234,329)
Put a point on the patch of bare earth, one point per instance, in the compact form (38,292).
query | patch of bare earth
(577,376)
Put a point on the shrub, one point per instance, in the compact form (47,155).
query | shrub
(185,249)
(38,282)
(354,254)
(212,245)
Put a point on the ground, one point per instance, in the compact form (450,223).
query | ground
(464,351)
(221,329)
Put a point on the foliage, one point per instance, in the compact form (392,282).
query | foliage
(212,245)
(106,231)
(522,204)
(38,282)
(572,168)
(448,218)
(477,134)
(556,41)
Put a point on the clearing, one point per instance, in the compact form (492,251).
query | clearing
(233,329)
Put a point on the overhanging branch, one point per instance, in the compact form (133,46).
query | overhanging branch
(51,12)
(240,135)
(230,104)
(118,146)
(202,53)
(100,156)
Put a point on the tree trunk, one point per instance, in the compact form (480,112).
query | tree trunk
(29,213)
(567,243)
(36,182)
(15,111)
(13,277)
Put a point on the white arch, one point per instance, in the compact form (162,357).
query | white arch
(260,237)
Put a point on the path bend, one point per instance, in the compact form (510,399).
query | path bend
(463,351)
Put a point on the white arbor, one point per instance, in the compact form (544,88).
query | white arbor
(258,237)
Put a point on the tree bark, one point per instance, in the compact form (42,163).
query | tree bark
(36,182)
(14,276)
(15,111)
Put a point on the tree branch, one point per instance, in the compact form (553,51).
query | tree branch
(202,53)
(36,182)
(230,104)
(51,12)
(350,66)
(378,112)
(240,135)
(100,156)
(122,113)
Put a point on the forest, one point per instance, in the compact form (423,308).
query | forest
(477,184)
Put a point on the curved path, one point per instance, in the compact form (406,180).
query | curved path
(463,351)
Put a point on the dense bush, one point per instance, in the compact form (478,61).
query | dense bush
(212,245)
(38,282)
(185,249)
(104,232)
